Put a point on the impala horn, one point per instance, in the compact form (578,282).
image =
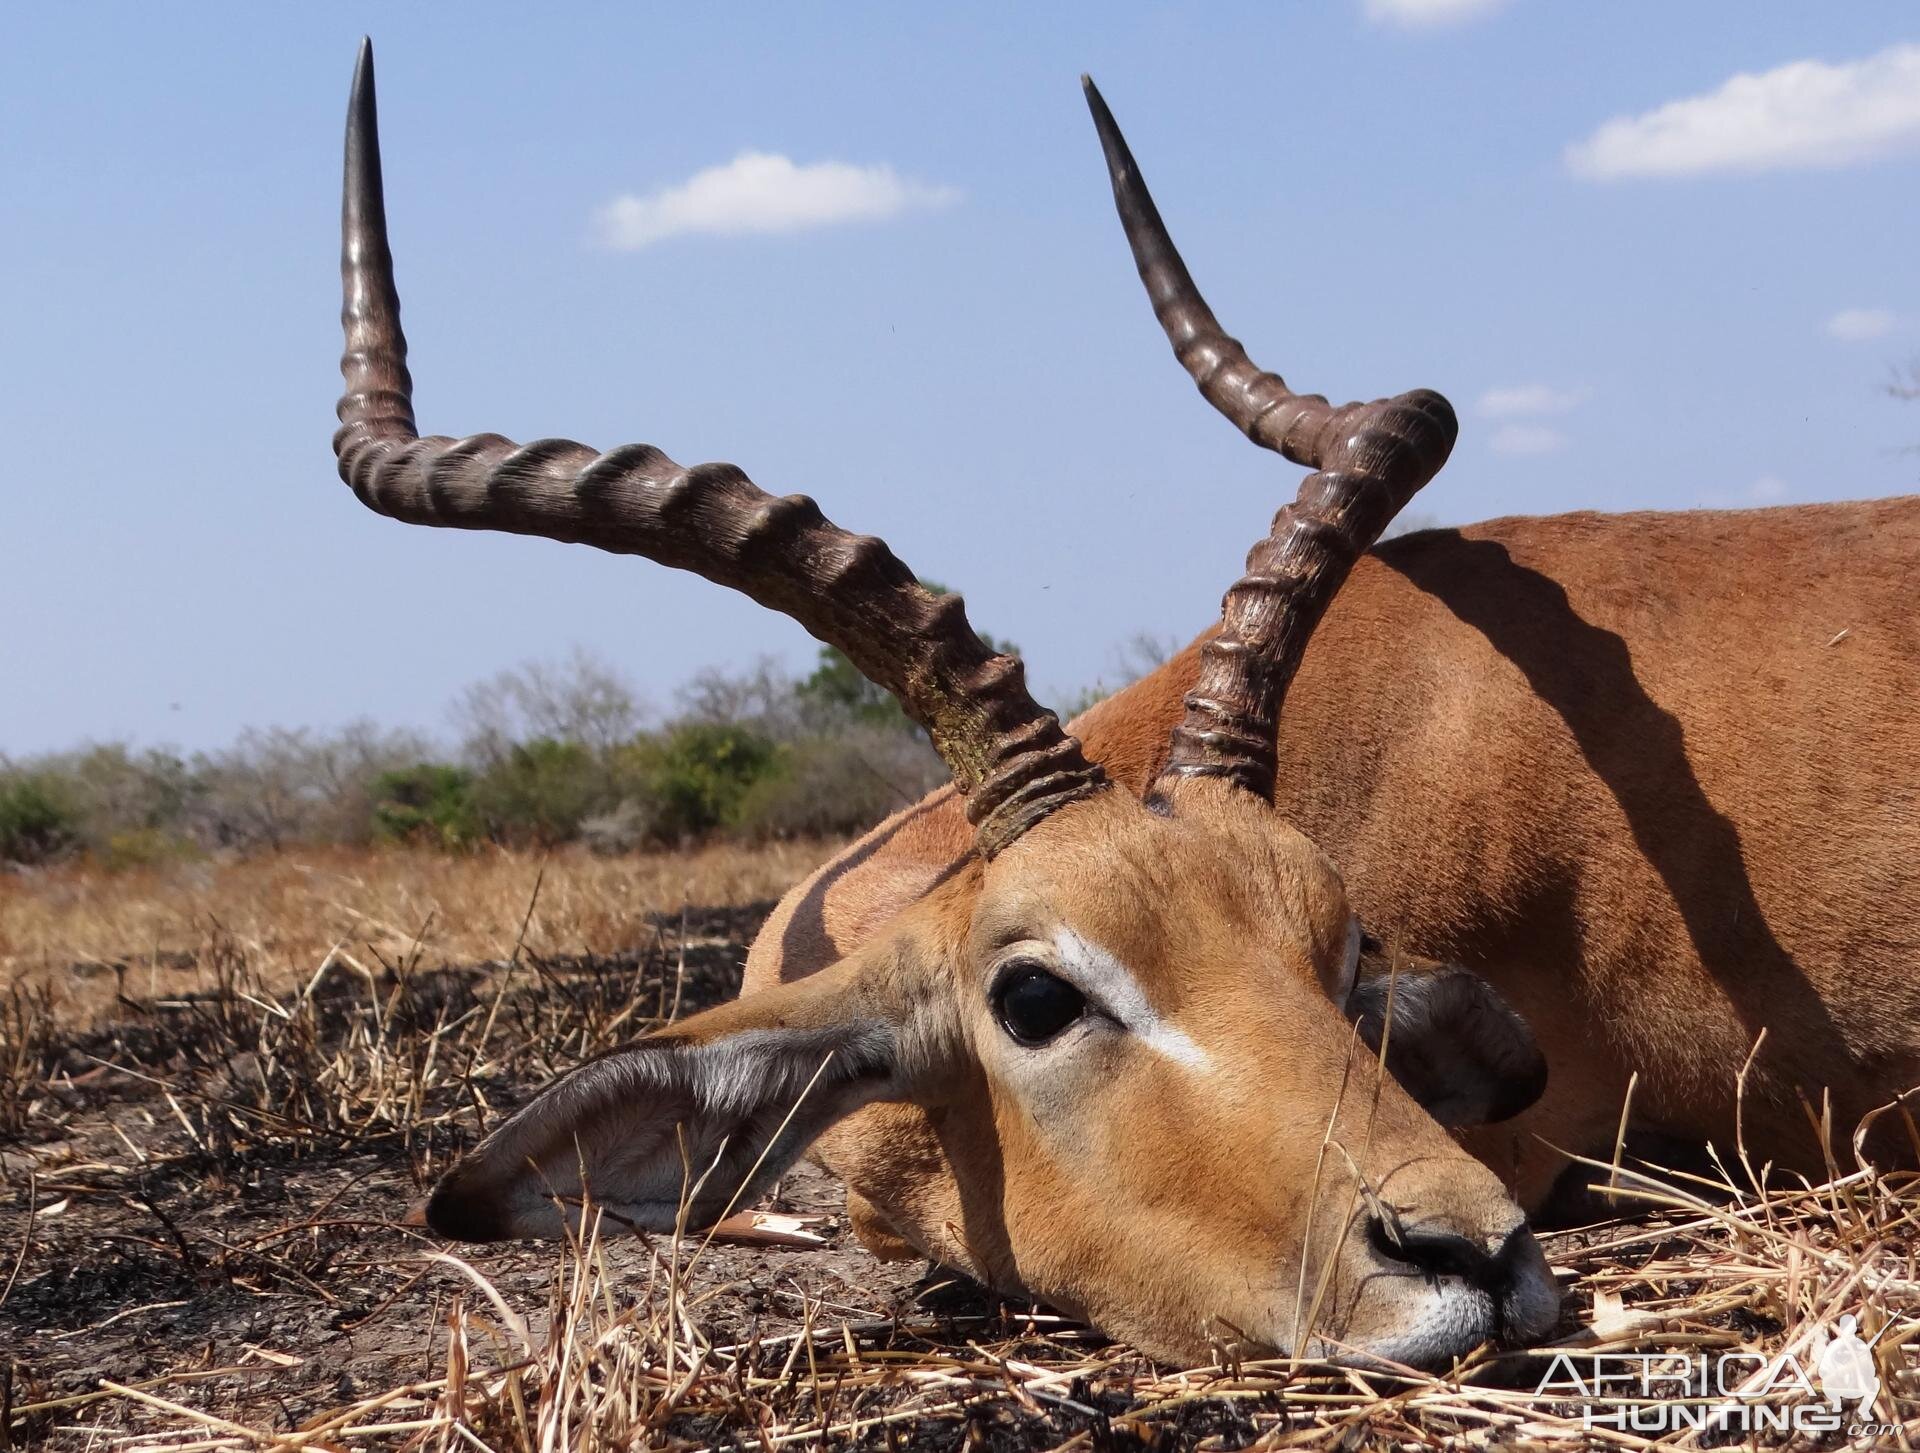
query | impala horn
(1008,756)
(1369,460)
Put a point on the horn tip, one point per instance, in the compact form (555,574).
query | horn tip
(360,101)
(1109,129)
(1096,103)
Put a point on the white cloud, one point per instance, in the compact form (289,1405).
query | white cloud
(1526,439)
(1524,400)
(1769,489)
(1804,114)
(1424,13)
(1857,325)
(763,192)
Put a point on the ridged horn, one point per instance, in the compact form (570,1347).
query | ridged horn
(1370,459)
(1007,754)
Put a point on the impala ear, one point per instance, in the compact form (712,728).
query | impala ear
(1457,1047)
(705,1115)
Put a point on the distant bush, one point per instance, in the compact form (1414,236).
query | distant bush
(840,783)
(539,792)
(551,754)
(118,790)
(428,803)
(38,821)
(145,847)
(693,778)
(278,786)
(82,801)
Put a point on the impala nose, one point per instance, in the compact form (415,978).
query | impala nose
(1431,1253)
(1509,1269)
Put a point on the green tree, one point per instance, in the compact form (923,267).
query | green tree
(37,820)
(430,802)
(541,791)
(694,778)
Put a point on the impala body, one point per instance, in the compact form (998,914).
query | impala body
(1654,777)
(1105,1023)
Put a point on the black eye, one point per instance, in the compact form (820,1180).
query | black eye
(1034,1005)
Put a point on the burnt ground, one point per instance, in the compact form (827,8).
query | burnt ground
(204,1198)
(218,1184)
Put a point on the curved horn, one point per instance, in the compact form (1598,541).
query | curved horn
(1370,460)
(1008,755)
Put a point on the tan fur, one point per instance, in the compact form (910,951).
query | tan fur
(1655,776)
(1167,1204)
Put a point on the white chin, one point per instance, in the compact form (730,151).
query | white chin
(1452,1319)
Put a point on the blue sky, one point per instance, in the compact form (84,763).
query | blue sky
(941,337)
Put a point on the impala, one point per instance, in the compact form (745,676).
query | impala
(1101,1022)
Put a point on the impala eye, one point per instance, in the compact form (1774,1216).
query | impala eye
(1033,1005)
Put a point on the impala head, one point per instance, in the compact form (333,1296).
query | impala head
(1140,1028)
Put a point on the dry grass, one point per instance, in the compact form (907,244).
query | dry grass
(202,1243)
(85,933)
(1762,1275)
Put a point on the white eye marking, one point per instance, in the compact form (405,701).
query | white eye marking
(1104,978)
(1350,970)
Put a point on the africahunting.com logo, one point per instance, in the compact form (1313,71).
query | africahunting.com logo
(1830,1386)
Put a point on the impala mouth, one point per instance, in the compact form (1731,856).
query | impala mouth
(1458,1296)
